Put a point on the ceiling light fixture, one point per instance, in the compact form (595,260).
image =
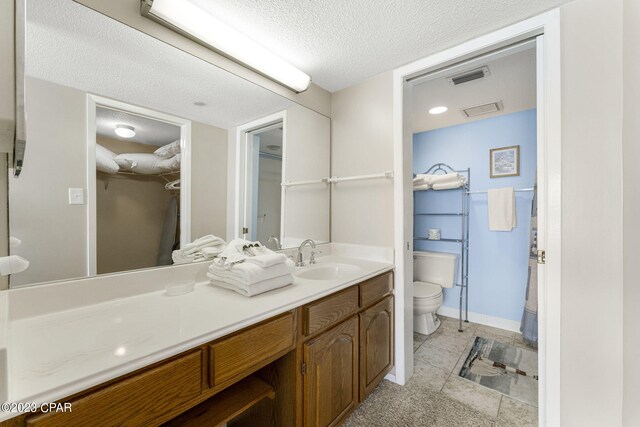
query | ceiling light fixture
(192,21)
(125,131)
(438,110)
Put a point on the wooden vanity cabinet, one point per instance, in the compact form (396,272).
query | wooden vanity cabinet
(349,349)
(331,375)
(309,366)
(376,345)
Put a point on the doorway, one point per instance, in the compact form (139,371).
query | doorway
(138,185)
(545,30)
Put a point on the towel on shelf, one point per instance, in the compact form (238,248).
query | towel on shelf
(446,178)
(449,185)
(421,187)
(256,288)
(205,248)
(502,209)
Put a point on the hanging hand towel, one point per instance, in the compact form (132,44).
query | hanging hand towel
(502,209)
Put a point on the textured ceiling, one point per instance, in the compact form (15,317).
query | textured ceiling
(148,131)
(512,81)
(72,45)
(340,43)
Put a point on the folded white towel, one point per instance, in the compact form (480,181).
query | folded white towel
(204,241)
(268,259)
(449,185)
(256,288)
(502,209)
(249,273)
(205,248)
(181,258)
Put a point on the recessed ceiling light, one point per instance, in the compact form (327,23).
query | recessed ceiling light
(438,110)
(199,103)
(125,131)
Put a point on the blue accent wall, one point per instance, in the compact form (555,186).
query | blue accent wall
(497,260)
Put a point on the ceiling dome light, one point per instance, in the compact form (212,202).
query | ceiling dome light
(438,110)
(125,131)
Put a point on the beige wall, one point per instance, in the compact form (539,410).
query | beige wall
(591,350)
(307,156)
(362,143)
(208,180)
(54,232)
(51,230)
(631,184)
(131,213)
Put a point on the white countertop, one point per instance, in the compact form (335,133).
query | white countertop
(60,353)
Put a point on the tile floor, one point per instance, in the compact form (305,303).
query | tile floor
(436,395)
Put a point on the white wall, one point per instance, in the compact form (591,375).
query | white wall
(362,143)
(591,350)
(631,181)
(54,232)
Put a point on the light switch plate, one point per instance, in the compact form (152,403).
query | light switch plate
(76,196)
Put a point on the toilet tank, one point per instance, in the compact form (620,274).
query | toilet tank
(435,267)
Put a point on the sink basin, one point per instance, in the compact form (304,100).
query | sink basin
(329,271)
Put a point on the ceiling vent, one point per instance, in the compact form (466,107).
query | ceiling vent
(469,76)
(479,110)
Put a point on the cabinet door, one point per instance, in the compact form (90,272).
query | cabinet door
(376,345)
(331,375)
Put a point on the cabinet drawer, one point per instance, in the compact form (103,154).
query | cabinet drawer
(375,289)
(134,401)
(330,310)
(250,349)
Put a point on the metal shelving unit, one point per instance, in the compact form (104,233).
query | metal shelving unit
(464,236)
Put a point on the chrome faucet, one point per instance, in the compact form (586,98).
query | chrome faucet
(312,259)
(276,241)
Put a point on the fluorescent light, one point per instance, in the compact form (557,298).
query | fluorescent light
(438,110)
(202,26)
(125,131)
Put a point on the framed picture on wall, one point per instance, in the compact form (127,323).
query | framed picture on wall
(504,161)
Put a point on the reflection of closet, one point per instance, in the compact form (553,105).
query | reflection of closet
(131,211)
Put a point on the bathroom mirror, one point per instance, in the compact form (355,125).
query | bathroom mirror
(100,93)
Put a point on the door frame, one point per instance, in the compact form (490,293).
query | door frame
(239,191)
(95,101)
(546,28)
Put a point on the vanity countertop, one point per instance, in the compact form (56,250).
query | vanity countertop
(57,354)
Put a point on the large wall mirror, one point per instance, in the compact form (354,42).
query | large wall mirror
(135,148)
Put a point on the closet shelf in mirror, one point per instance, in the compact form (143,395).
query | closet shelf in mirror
(171,178)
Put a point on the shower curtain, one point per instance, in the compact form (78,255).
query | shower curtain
(168,233)
(529,325)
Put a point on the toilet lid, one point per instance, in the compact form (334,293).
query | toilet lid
(426,290)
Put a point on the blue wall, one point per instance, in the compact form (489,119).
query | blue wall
(498,260)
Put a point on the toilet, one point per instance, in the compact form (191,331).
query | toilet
(432,271)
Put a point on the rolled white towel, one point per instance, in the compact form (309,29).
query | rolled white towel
(250,273)
(256,288)
(445,178)
(421,187)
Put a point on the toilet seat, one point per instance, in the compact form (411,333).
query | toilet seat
(426,290)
